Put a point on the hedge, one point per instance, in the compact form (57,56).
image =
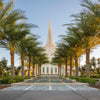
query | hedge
(8,80)
(91,81)
(95,76)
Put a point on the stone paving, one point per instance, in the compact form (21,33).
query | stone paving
(49,79)
(48,91)
(49,95)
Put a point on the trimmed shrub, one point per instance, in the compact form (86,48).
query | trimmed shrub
(12,81)
(66,76)
(95,76)
(18,79)
(32,76)
(7,81)
(91,81)
(27,77)
(83,76)
(86,80)
(73,77)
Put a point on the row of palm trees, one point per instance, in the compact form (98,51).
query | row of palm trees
(15,36)
(82,36)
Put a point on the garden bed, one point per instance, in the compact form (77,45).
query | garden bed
(2,86)
(91,81)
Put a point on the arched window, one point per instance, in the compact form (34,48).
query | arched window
(43,69)
(55,69)
(47,70)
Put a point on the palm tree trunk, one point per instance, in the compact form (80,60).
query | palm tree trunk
(70,66)
(39,69)
(87,62)
(66,65)
(76,65)
(12,53)
(59,69)
(22,64)
(33,68)
(29,65)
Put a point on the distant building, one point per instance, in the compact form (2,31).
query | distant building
(49,69)
(49,50)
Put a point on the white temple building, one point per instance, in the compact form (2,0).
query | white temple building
(49,50)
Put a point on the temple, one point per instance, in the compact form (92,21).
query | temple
(49,50)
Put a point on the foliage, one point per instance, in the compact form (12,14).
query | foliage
(17,70)
(95,76)
(27,77)
(91,81)
(83,76)
(7,80)
(18,79)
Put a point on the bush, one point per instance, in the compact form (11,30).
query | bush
(95,76)
(7,80)
(91,81)
(83,76)
(18,79)
(86,80)
(12,81)
(73,77)
(66,76)
(32,76)
(27,77)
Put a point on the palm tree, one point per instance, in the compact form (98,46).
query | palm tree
(60,58)
(41,59)
(83,36)
(5,18)
(30,46)
(35,55)
(57,60)
(89,40)
(74,41)
(22,48)
(22,51)
(89,24)
(62,52)
(13,33)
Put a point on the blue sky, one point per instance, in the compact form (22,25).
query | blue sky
(40,12)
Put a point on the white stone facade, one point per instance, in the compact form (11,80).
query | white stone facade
(49,50)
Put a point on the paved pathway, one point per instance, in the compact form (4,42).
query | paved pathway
(49,79)
(50,92)
(49,95)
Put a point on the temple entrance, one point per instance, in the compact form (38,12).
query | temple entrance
(48,69)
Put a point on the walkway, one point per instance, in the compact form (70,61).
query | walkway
(50,92)
(70,93)
(49,79)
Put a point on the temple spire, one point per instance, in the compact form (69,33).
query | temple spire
(50,38)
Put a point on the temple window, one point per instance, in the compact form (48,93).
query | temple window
(43,69)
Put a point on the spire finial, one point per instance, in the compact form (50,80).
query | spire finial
(50,38)
(49,22)
(13,1)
